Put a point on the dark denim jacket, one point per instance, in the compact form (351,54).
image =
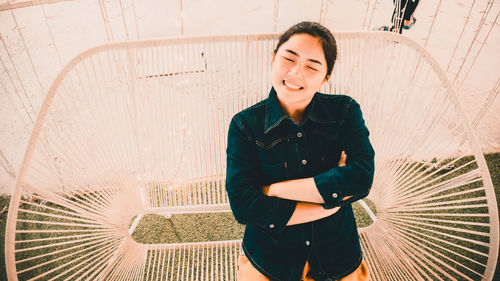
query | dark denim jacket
(265,146)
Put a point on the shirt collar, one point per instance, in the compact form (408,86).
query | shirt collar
(315,111)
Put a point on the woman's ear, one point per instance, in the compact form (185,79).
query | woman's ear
(325,80)
(274,56)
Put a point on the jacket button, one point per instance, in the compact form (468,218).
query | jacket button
(304,162)
(299,134)
(271,226)
(308,243)
(328,279)
(335,195)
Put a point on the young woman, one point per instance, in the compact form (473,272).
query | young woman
(288,178)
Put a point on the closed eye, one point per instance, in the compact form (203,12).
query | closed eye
(288,59)
(312,68)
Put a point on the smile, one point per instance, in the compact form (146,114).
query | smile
(292,86)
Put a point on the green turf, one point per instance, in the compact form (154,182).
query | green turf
(4,202)
(156,229)
(493,161)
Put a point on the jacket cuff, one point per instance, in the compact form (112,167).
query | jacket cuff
(280,215)
(328,188)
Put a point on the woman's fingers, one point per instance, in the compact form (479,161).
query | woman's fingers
(343,158)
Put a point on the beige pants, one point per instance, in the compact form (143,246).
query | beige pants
(247,272)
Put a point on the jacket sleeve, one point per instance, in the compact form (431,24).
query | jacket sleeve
(356,177)
(248,203)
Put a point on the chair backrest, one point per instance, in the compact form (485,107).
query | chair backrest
(140,127)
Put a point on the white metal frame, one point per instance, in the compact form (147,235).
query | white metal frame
(75,160)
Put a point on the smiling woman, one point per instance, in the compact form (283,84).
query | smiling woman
(299,219)
(302,61)
(298,71)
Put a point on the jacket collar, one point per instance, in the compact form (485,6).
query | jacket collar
(317,110)
(275,114)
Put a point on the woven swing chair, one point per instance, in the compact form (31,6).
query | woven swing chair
(136,128)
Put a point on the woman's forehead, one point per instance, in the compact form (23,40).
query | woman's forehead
(303,45)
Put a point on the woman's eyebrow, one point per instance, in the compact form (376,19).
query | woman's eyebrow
(294,53)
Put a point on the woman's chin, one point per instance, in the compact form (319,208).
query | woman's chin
(294,98)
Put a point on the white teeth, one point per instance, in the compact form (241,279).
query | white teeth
(291,85)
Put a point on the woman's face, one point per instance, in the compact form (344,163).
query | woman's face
(298,70)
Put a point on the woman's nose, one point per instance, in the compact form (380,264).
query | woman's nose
(296,70)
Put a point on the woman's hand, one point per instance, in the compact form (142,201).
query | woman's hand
(267,190)
(343,158)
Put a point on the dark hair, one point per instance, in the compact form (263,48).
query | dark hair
(316,30)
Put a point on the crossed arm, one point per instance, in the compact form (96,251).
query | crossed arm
(304,191)
(302,200)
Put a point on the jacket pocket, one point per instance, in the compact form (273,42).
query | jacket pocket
(326,161)
(272,173)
